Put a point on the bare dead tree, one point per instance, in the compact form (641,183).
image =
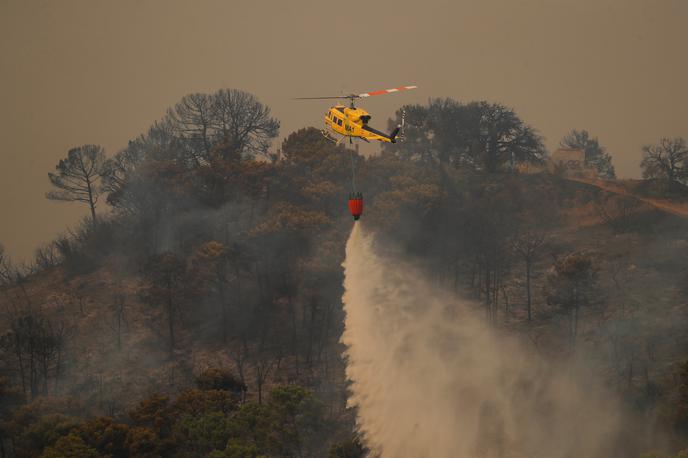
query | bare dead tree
(78,177)
(37,345)
(117,168)
(192,119)
(572,284)
(119,319)
(231,122)
(242,124)
(525,245)
(124,175)
(46,256)
(325,334)
(266,360)
(211,266)
(239,354)
(668,159)
(165,285)
(617,211)
(51,344)
(264,363)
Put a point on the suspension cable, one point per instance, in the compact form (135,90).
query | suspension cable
(353,173)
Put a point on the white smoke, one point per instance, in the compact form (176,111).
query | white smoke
(430,379)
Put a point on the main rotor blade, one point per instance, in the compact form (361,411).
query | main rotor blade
(387,91)
(322,98)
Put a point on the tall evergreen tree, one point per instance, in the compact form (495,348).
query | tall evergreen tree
(78,177)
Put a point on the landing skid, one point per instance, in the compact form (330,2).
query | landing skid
(329,137)
(342,138)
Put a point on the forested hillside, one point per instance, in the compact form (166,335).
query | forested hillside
(197,310)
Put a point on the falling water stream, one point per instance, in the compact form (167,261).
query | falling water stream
(430,379)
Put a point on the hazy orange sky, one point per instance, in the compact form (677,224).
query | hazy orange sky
(89,71)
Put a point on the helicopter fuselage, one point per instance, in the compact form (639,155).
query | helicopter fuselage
(353,122)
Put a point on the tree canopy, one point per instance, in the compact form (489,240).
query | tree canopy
(230,122)
(481,136)
(78,176)
(667,160)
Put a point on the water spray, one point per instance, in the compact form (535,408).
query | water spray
(429,378)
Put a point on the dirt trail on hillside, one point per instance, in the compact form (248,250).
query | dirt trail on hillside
(660,204)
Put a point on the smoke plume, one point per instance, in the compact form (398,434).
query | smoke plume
(430,379)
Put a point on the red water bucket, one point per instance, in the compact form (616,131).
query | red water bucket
(356,204)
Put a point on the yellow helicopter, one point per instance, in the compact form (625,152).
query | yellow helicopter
(352,122)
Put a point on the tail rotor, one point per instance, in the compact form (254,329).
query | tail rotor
(397,134)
